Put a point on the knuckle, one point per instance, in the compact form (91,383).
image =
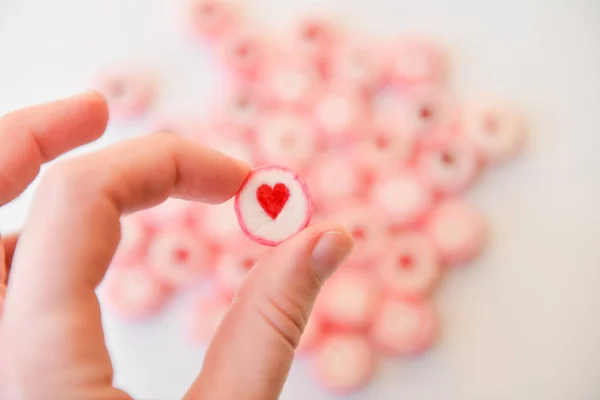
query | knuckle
(286,314)
(68,181)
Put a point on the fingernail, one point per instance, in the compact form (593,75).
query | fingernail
(330,251)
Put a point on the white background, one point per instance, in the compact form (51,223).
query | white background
(524,322)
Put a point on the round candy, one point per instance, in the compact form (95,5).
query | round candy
(458,231)
(245,53)
(357,63)
(340,114)
(496,130)
(286,138)
(213,19)
(411,266)
(449,164)
(178,257)
(348,300)
(334,178)
(386,146)
(134,292)
(368,229)
(128,94)
(242,109)
(233,266)
(416,61)
(344,363)
(273,205)
(404,327)
(428,113)
(292,82)
(314,38)
(404,199)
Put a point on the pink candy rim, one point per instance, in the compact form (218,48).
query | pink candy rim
(305,191)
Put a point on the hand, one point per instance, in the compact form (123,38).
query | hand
(51,339)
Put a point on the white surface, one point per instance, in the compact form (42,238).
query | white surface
(525,322)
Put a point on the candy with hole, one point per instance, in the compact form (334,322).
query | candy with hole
(348,300)
(449,164)
(340,114)
(387,145)
(333,178)
(286,138)
(314,37)
(273,205)
(134,293)
(291,82)
(403,198)
(245,51)
(213,19)
(417,61)
(368,229)
(357,63)
(242,108)
(495,128)
(458,230)
(404,327)
(128,94)
(232,267)
(344,363)
(178,257)
(411,266)
(428,112)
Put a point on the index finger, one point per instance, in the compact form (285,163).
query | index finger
(38,134)
(72,233)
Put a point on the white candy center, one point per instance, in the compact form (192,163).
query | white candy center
(293,214)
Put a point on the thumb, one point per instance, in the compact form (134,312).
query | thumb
(253,349)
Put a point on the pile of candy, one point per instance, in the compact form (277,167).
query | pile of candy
(384,148)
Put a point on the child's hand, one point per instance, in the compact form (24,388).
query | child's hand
(51,339)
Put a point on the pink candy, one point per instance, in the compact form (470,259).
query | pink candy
(129,94)
(348,300)
(385,149)
(213,19)
(344,363)
(458,231)
(416,61)
(178,258)
(134,292)
(404,328)
(403,198)
(411,267)
(273,205)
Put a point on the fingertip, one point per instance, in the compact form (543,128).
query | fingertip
(95,110)
(233,173)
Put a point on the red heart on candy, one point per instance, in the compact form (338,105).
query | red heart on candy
(272,199)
